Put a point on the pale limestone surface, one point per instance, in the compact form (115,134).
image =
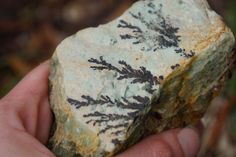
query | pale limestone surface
(151,69)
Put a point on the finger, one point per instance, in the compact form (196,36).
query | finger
(32,86)
(30,101)
(44,122)
(15,143)
(174,143)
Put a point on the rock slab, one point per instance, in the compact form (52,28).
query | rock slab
(153,68)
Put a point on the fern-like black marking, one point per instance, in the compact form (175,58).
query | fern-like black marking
(184,53)
(141,75)
(124,24)
(87,100)
(165,37)
(138,105)
(135,106)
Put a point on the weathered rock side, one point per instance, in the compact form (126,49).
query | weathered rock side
(156,67)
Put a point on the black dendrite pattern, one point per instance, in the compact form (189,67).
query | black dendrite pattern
(184,53)
(165,34)
(138,105)
(88,100)
(141,75)
(104,117)
(135,105)
(173,67)
(157,34)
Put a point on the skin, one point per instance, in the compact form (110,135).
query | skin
(26,118)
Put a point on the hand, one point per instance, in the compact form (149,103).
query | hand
(173,143)
(25,117)
(25,121)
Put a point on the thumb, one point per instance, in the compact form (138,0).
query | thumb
(174,143)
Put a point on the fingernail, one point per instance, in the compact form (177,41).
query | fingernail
(189,141)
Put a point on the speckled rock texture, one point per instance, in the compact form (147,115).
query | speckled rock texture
(153,68)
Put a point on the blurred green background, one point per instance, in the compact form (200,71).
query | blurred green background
(30,31)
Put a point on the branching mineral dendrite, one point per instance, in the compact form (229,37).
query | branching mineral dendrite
(151,69)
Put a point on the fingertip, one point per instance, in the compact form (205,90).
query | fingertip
(42,68)
(45,63)
(177,142)
(189,140)
(163,145)
(34,82)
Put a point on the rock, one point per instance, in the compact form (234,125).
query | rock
(153,68)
